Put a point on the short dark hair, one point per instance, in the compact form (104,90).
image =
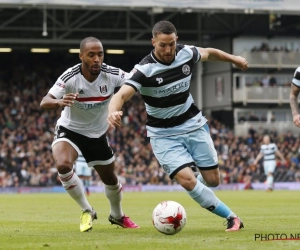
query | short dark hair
(163,27)
(87,40)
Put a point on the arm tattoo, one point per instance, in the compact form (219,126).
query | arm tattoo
(293,99)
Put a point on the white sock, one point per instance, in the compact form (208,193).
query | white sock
(114,195)
(73,185)
(270,180)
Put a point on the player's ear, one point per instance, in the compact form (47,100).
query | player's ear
(80,56)
(153,42)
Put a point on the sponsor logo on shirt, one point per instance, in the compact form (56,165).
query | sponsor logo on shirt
(172,89)
(159,80)
(60,85)
(86,106)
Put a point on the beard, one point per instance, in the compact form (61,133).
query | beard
(95,73)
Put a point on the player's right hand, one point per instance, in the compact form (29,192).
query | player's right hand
(115,119)
(68,100)
(241,63)
(296,120)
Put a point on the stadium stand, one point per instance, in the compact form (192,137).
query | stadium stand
(27,131)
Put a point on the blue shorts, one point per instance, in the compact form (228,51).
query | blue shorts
(179,151)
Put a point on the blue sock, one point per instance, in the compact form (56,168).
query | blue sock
(206,198)
(222,210)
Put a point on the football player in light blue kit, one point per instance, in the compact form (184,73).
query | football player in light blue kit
(84,172)
(178,132)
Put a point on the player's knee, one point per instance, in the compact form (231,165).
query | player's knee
(213,182)
(64,167)
(187,183)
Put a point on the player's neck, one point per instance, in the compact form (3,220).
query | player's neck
(87,75)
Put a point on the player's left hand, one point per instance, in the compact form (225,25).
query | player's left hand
(115,119)
(241,63)
(296,120)
(283,162)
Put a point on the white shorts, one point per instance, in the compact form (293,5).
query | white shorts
(269,166)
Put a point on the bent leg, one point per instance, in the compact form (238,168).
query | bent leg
(112,188)
(203,195)
(211,177)
(64,156)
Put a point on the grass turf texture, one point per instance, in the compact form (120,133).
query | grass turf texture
(51,221)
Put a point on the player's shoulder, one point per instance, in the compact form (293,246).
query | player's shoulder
(297,73)
(70,73)
(298,69)
(110,70)
(147,60)
(184,51)
(184,47)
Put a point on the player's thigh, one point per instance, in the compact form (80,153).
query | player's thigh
(64,153)
(107,173)
(97,151)
(269,167)
(201,147)
(171,153)
(186,178)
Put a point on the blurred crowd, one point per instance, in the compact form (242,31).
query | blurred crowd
(26,134)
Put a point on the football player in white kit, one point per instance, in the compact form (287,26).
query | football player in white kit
(268,151)
(84,92)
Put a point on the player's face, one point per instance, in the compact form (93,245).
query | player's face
(165,47)
(92,57)
(266,139)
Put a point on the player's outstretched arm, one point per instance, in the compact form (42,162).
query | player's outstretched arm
(211,54)
(280,155)
(49,102)
(294,104)
(258,157)
(117,101)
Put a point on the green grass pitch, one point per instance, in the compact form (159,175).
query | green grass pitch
(51,221)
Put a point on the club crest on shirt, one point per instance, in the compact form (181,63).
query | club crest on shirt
(103,89)
(166,168)
(186,69)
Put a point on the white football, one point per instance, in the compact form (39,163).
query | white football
(169,217)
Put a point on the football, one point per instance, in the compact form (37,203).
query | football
(169,217)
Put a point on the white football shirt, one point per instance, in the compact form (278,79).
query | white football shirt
(87,116)
(269,151)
